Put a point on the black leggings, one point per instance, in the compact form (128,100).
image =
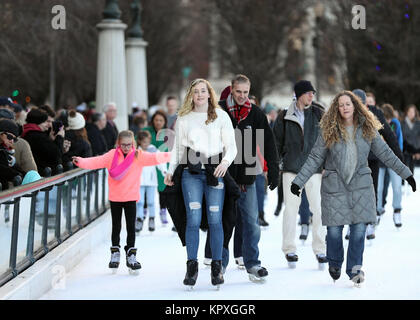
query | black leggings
(130,219)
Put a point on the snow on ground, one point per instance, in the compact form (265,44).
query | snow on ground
(391,264)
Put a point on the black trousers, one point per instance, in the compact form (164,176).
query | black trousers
(130,219)
(374,166)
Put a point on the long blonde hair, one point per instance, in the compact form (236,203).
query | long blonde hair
(332,125)
(188,104)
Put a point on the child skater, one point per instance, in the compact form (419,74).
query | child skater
(148,184)
(125,165)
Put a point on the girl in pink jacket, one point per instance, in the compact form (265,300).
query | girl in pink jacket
(124,165)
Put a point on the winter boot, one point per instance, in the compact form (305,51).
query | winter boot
(139,224)
(397,218)
(257,273)
(261,220)
(115,258)
(370,232)
(151,224)
(163,218)
(304,232)
(216,273)
(240,262)
(132,264)
(192,273)
(335,273)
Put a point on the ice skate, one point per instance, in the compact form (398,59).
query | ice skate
(240,262)
(216,273)
(191,275)
(397,219)
(358,279)
(335,273)
(291,258)
(151,224)
(139,224)
(132,264)
(370,232)
(322,261)
(163,218)
(277,211)
(304,233)
(207,262)
(257,274)
(115,259)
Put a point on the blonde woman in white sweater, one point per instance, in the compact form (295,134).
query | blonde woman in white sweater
(202,127)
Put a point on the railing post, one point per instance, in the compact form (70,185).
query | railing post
(96,192)
(68,202)
(14,240)
(58,208)
(88,191)
(103,187)
(31,229)
(79,202)
(45,219)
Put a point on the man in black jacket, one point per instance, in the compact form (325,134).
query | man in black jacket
(110,131)
(251,130)
(389,137)
(296,133)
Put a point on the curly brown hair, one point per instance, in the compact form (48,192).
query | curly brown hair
(332,125)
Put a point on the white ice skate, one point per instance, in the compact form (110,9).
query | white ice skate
(291,258)
(257,274)
(322,261)
(240,262)
(358,279)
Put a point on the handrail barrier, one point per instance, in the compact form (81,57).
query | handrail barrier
(46,213)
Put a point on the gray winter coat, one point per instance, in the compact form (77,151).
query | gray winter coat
(341,203)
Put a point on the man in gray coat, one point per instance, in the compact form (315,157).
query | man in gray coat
(295,134)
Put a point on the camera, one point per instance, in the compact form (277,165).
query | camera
(56,125)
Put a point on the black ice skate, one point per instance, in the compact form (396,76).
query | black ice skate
(139,224)
(115,259)
(291,258)
(216,273)
(132,264)
(335,273)
(358,279)
(257,273)
(192,274)
(261,220)
(322,261)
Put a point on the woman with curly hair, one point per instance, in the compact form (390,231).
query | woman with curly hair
(348,132)
(205,146)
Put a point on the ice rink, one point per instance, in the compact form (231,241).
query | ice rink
(391,265)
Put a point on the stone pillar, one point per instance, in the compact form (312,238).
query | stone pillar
(135,48)
(111,79)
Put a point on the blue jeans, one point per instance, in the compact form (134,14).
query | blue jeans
(304,211)
(396,189)
(335,250)
(260,184)
(149,192)
(247,210)
(194,186)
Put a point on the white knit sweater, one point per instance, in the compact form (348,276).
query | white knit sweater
(216,137)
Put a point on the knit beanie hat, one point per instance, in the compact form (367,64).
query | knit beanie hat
(9,126)
(76,120)
(361,94)
(302,87)
(7,114)
(36,116)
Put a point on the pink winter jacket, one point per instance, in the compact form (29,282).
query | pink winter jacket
(128,188)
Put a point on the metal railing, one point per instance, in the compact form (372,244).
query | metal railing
(45,213)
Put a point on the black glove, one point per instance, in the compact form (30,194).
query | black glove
(273,178)
(412,183)
(295,189)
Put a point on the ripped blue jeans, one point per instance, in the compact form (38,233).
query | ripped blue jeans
(194,186)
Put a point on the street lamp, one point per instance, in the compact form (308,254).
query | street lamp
(111,11)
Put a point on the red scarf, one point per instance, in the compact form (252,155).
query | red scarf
(238,112)
(30,127)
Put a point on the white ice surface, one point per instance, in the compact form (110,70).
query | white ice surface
(391,264)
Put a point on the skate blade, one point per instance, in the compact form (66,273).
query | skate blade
(133,272)
(114,270)
(302,242)
(240,267)
(321,266)
(292,265)
(256,279)
(189,288)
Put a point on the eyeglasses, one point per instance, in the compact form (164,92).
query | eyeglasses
(10,136)
(126,145)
